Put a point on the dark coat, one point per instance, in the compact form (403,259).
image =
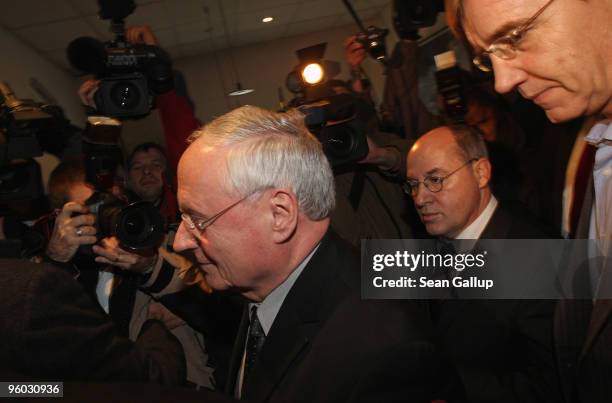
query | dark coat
(51,329)
(583,329)
(328,345)
(503,349)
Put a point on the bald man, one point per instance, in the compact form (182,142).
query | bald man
(503,348)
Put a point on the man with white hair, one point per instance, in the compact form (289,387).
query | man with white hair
(256,192)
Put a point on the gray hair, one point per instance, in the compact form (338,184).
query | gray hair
(469,141)
(273,150)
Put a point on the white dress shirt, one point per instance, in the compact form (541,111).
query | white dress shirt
(600,226)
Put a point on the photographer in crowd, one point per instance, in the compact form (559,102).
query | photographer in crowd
(113,275)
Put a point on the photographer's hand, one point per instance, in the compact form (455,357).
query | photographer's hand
(70,232)
(385,158)
(111,253)
(86,92)
(141,35)
(354,53)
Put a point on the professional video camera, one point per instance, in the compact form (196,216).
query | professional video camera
(138,226)
(131,75)
(338,125)
(336,118)
(27,128)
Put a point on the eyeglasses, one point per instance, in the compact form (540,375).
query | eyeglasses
(194,222)
(506,47)
(432,183)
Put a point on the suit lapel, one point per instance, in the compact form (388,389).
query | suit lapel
(282,348)
(496,228)
(602,309)
(305,309)
(237,352)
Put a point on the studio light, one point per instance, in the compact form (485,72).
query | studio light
(312,73)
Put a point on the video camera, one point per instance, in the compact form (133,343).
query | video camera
(131,75)
(337,123)
(27,128)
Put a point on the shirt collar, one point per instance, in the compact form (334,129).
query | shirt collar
(475,229)
(601,134)
(269,307)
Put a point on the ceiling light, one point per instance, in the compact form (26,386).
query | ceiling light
(267,19)
(240,91)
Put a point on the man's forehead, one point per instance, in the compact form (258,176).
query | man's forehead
(433,160)
(487,20)
(148,155)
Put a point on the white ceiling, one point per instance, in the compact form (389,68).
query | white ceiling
(184,27)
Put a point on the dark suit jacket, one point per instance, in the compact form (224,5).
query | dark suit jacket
(51,329)
(502,348)
(327,345)
(583,330)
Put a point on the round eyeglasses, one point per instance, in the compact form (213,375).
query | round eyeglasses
(432,183)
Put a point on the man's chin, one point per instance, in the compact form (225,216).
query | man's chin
(150,196)
(563,113)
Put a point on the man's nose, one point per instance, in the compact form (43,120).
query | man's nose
(508,74)
(421,195)
(184,240)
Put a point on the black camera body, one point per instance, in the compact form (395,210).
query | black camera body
(373,41)
(27,128)
(131,75)
(137,226)
(335,122)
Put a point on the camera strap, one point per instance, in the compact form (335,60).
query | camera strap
(357,186)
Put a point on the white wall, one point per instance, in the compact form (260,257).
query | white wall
(20,63)
(263,67)
(210,77)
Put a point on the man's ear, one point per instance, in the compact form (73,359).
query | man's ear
(482,170)
(284,207)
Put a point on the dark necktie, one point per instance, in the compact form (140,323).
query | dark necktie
(255,341)
(447,247)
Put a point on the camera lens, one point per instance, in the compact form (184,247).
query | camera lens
(134,224)
(140,226)
(339,142)
(125,95)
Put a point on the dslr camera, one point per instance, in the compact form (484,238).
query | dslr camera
(131,75)
(372,38)
(138,226)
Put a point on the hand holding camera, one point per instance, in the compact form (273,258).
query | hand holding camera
(73,227)
(354,52)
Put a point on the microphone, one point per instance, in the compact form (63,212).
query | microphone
(115,9)
(87,55)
